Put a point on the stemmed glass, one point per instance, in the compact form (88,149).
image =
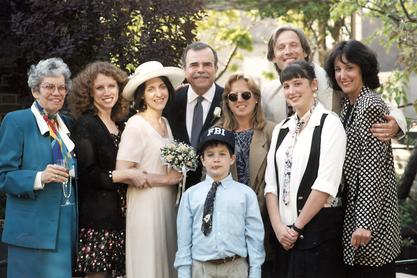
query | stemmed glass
(66,186)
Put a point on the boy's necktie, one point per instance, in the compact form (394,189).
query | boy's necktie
(208,209)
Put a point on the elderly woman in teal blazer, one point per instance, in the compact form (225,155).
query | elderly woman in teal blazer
(40,212)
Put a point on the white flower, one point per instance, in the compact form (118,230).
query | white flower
(217,113)
(169,158)
(179,155)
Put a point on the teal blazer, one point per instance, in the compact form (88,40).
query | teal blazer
(32,217)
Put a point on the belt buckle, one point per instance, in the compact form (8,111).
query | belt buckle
(229,259)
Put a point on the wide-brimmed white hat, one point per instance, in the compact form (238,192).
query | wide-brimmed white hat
(151,70)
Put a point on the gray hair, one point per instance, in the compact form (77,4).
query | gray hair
(48,67)
(198,46)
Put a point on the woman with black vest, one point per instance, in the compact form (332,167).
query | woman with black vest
(303,174)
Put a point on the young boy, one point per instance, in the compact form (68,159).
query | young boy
(219,223)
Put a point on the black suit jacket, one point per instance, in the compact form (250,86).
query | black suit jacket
(176,112)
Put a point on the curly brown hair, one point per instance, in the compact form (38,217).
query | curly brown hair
(80,101)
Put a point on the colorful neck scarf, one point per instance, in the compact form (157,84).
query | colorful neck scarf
(59,150)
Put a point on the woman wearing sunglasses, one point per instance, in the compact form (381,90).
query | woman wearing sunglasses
(242,113)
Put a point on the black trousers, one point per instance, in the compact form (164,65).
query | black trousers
(324,261)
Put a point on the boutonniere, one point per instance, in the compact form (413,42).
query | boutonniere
(217,113)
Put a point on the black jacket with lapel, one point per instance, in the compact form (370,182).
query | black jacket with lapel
(176,112)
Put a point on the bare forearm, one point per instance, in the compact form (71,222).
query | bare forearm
(159,180)
(315,202)
(273,210)
(123,176)
(282,232)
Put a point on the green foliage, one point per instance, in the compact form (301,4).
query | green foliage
(228,29)
(399,25)
(399,28)
(408,220)
(312,16)
(124,32)
(168,26)
(269,75)
(395,86)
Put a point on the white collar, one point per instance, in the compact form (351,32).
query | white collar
(226,179)
(43,127)
(209,95)
(314,119)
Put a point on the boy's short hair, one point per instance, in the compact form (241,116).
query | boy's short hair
(215,136)
(215,143)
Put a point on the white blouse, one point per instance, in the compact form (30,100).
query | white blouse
(332,156)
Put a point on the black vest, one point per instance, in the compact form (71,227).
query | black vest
(327,223)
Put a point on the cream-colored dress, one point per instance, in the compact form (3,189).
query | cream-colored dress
(151,213)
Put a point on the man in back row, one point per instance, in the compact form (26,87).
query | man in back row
(288,44)
(192,110)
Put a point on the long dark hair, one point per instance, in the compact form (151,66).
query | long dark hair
(354,52)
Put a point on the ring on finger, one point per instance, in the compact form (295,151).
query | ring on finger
(56,176)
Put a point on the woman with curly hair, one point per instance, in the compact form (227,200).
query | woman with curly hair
(98,109)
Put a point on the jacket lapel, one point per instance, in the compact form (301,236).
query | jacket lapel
(177,114)
(257,154)
(215,103)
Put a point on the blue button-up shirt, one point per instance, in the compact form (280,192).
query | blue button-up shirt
(237,227)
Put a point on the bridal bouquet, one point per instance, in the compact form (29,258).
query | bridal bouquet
(182,158)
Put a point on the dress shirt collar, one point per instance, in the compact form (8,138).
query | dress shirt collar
(314,119)
(62,128)
(224,181)
(209,95)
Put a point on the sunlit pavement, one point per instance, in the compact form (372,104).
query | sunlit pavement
(403,275)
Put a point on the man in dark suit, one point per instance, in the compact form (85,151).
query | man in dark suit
(192,110)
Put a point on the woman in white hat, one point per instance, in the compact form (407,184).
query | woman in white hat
(151,213)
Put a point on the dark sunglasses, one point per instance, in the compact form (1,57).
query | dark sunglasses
(234,96)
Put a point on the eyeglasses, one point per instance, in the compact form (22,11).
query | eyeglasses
(244,95)
(52,87)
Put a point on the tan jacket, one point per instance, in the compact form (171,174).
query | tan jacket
(257,161)
(258,152)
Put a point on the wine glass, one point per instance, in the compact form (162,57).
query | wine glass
(66,186)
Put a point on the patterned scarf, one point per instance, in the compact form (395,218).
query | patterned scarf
(59,150)
(300,123)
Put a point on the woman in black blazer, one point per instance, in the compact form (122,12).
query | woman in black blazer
(99,109)
(371,232)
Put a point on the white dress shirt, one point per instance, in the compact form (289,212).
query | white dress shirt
(332,156)
(191,103)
